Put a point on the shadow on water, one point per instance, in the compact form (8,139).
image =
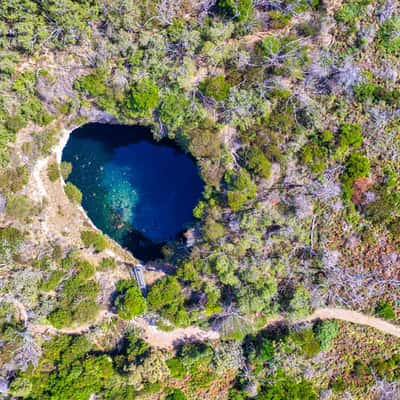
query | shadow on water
(138,191)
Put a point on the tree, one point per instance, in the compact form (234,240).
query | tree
(73,193)
(326,332)
(173,111)
(356,166)
(299,305)
(215,87)
(242,10)
(385,310)
(285,388)
(166,297)
(95,239)
(129,301)
(165,291)
(258,163)
(143,98)
(20,387)
(350,135)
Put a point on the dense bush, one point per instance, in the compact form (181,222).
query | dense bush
(143,98)
(216,87)
(286,387)
(258,163)
(76,297)
(308,343)
(53,171)
(240,189)
(95,239)
(129,300)
(388,36)
(73,193)
(242,10)
(19,206)
(356,166)
(326,332)
(166,297)
(350,136)
(385,310)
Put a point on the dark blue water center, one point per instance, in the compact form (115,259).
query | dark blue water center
(138,191)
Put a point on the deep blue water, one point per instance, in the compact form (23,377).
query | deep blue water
(138,191)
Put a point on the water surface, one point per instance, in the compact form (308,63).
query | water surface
(138,191)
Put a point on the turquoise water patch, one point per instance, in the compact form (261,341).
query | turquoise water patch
(138,191)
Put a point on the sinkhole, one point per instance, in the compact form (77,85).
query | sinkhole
(138,191)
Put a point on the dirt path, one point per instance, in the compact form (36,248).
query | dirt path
(170,339)
(355,317)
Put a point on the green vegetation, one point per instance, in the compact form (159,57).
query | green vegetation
(357,166)
(129,300)
(326,332)
(143,98)
(294,128)
(94,239)
(215,87)
(166,297)
(385,310)
(73,193)
(287,388)
(76,296)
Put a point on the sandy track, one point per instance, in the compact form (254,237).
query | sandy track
(355,317)
(170,339)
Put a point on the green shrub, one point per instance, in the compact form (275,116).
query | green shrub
(53,171)
(258,163)
(20,387)
(385,310)
(308,343)
(315,157)
(92,84)
(19,206)
(15,122)
(129,300)
(95,239)
(13,180)
(10,241)
(386,206)
(173,111)
(215,87)
(326,332)
(286,388)
(60,318)
(166,297)
(213,230)
(242,10)
(352,11)
(177,368)
(53,281)
(278,19)
(33,110)
(240,189)
(65,169)
(73,193)
(356,166)
(388,35)
(108,263)
(144,98)
(364,91)
(350,135)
